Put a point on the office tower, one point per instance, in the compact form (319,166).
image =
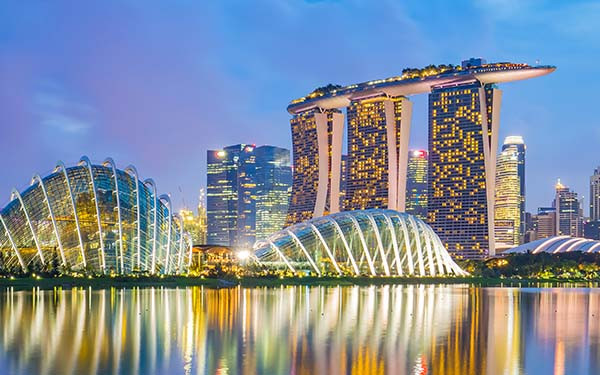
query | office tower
(378,134)
(343,179)
(416,184)
(317,147)
(231,190)
(595,195)
(544,223)
(273,185)
(462,164)
(508,200)
(569,220)
(591,230)
(516,143)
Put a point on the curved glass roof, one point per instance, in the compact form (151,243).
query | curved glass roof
(92,217)
(557,244)
(368,242)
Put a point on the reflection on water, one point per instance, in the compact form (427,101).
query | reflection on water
(301,330)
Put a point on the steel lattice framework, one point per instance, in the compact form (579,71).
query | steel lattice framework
(92,217)
(364,242)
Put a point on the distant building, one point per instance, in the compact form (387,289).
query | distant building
(416,184)
(595,195)
(516,144)
(273,185)
(195,224)
(544,223)
(569,220)
(591,230)
(230,206)
(509,199)
(202,216)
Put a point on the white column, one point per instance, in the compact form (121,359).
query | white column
(392,150)
(405,122)
(323,152)
(490,148)
(336,162)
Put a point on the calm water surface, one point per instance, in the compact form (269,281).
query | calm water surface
(301,330)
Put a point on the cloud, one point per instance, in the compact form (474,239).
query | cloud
(57,109)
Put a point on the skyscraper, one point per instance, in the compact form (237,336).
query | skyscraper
(463,140)
(509,201)
(595,195)
(317,147)
(569,220)
(231,190)
(462,166)
(376,167)
(416,184)
(273,185)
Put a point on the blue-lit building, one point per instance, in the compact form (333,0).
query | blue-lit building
(273,185)
(230,196)
(247,193)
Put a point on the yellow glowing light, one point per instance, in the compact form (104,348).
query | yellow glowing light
(221,153)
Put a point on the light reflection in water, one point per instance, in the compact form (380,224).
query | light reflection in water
(301,330)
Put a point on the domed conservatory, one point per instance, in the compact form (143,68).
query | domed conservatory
(92,218)
(373,242)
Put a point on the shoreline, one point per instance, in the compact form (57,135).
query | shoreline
(128,282)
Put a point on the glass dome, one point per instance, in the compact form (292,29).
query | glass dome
(92,217)
(373,242)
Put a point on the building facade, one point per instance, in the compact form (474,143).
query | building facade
(317,147)
(508,209)
(230,196)
(463,137)
(595,195)
(569,218)
(273,186)
(416,184)
(517,145)
(377,153)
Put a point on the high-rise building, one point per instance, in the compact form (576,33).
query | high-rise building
(317,147)
(569,218)
(516,143)
(595,195)
(416,184)
(544,223)
(378,134)
(231,190)
(508,201)
(462,164)
(463,142)
(273,186)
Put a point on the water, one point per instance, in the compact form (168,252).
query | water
(301,330)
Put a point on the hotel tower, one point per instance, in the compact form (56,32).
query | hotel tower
(464,115)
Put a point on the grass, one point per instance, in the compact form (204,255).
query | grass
(104,282)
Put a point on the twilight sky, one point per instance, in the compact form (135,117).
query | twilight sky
(156,84)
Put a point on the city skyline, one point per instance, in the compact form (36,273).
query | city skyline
(66,110)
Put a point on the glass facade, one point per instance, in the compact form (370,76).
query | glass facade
(457,201)
(94,218)
(361,242)
(569,215)
(416,184)
(507,212)
(273,184)
(231,196)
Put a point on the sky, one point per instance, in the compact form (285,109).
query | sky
(157,83)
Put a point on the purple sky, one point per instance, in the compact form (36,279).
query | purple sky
(155,84)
